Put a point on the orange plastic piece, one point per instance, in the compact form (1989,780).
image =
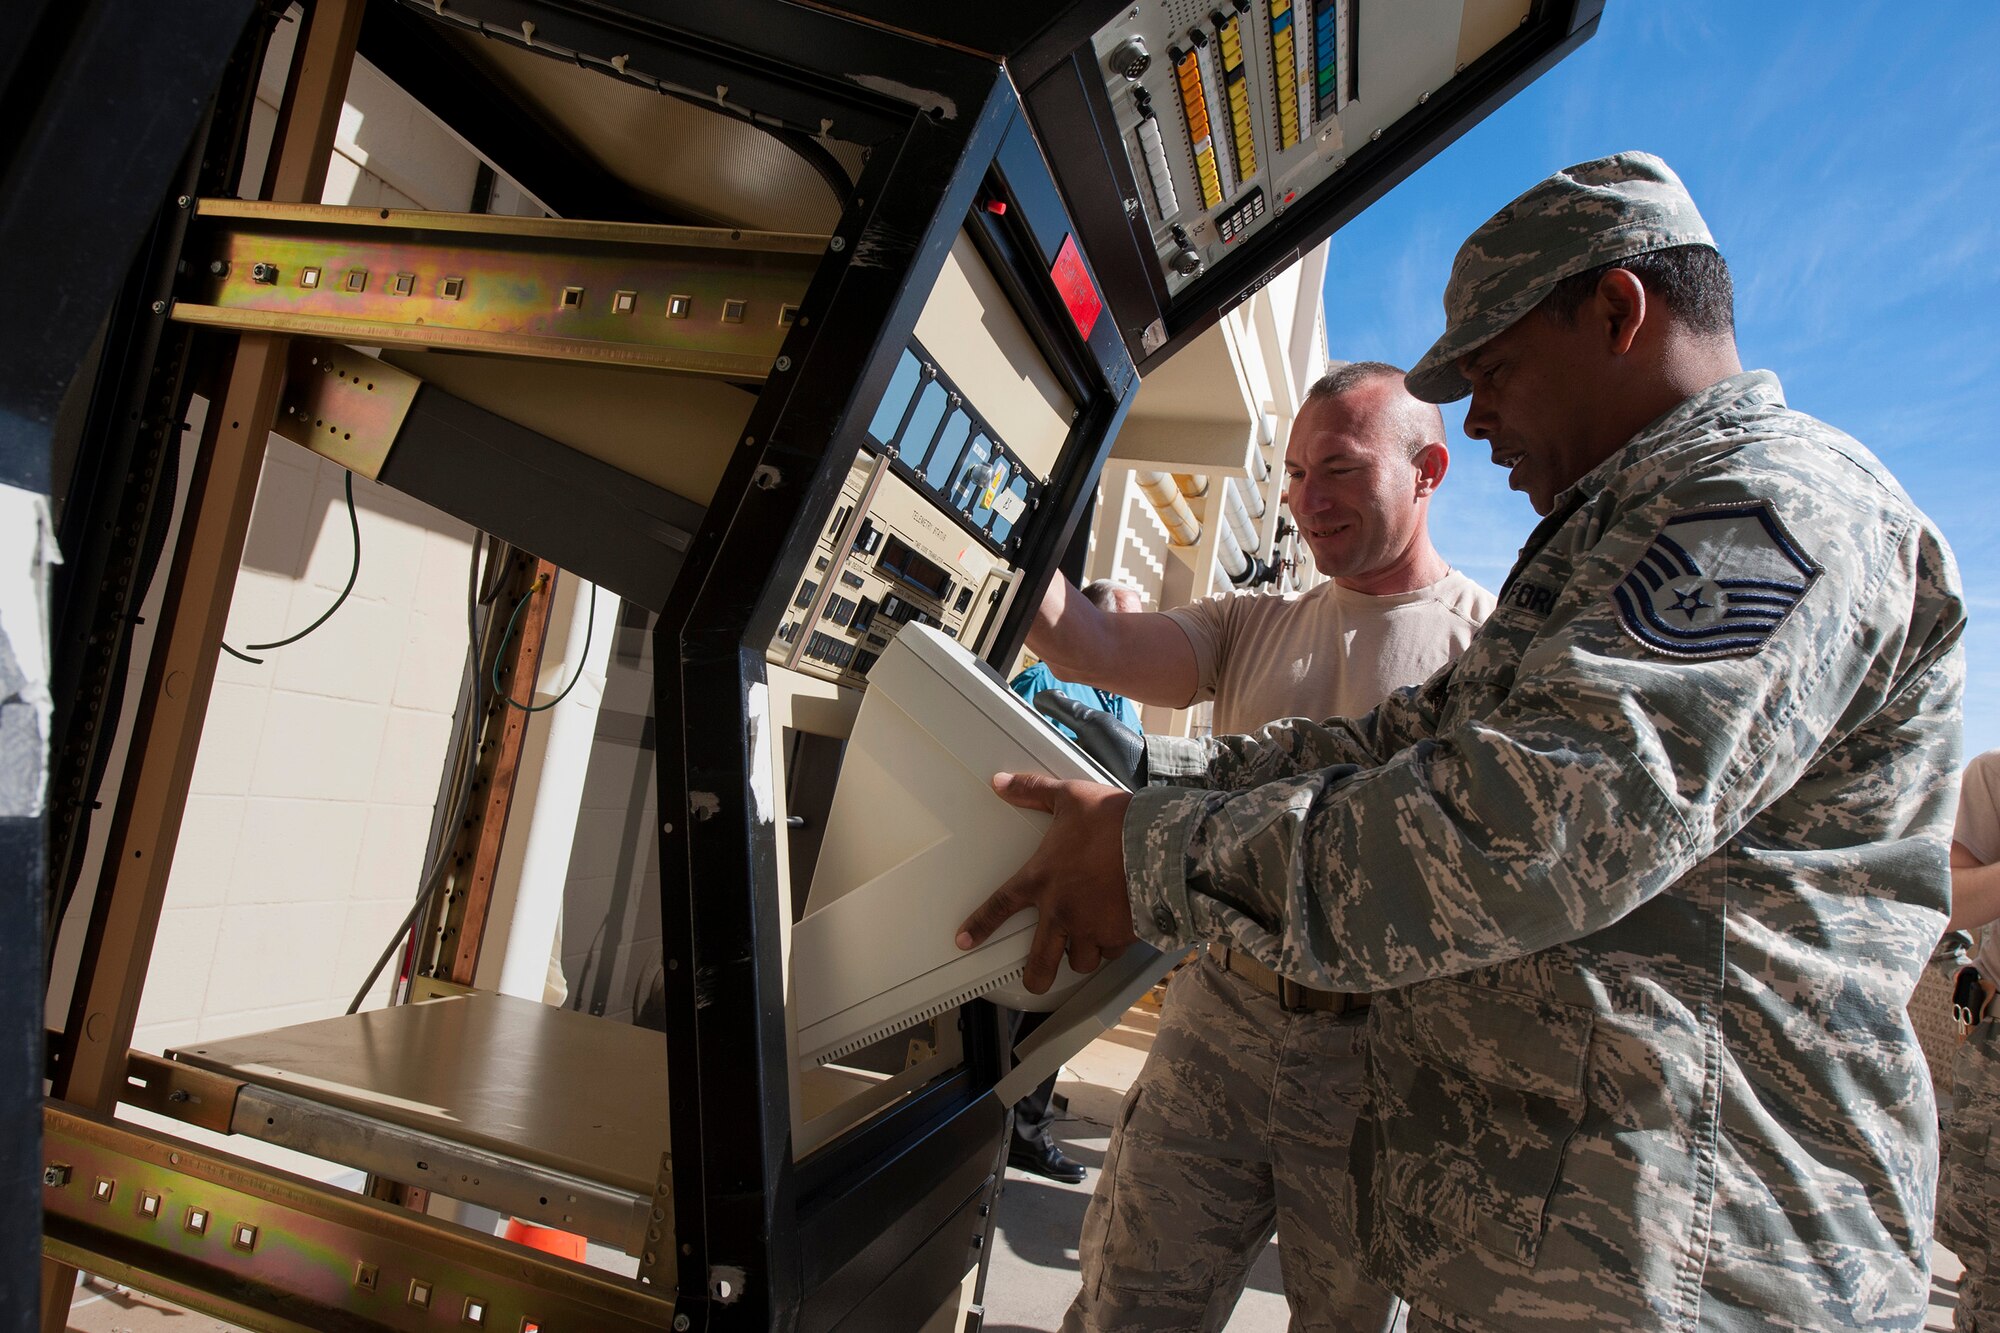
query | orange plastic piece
(549,1240)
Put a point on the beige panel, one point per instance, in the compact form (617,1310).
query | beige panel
(551,1086)
(1484,24)
(696,164)
(1202,379)
(798,702)
(970,327)
(1186,446)
(675,431)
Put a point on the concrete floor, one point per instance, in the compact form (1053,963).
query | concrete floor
(1032,1276)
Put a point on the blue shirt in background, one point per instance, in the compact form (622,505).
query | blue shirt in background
(1038,678)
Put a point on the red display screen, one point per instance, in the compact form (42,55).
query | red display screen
(1078,293)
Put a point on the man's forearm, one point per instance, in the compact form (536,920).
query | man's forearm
(1975,895)
(1057,618)
(1071,635)
(1144,656)
(1419,868)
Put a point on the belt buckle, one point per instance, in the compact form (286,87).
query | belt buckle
(1291,996)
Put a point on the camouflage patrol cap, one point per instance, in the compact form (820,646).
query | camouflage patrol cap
(1583,216)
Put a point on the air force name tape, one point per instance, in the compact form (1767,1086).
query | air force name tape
(1714,583)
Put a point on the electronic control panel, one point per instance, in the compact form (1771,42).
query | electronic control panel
(887,557)
(1230,110)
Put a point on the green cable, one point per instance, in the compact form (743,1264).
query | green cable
(588,627)
(354,524)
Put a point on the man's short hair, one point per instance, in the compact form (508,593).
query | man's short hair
(1423,426)
(1349,375)
(1103,593)
(1691,281)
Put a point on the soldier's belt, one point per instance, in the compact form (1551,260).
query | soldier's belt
(1292,997)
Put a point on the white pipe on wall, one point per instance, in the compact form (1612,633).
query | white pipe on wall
(1229,555)
(1238,515)
(1159,488)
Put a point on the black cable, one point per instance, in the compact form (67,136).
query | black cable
(464,762)
(395,943)
(589,625)
(496,565)
(354,525)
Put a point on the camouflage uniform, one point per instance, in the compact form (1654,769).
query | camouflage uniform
(1968,1211)
(1655,866)
(1239,1123)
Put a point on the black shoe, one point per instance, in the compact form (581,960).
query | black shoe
(1041,1157)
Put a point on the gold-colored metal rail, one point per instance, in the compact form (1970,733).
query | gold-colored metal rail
(272,1250)
(700,300)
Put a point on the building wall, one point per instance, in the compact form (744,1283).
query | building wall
(313,791)
(1233,391)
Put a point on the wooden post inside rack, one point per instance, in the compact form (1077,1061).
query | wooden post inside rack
(173,702)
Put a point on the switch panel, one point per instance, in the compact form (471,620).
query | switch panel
(894,559)
(1230,110)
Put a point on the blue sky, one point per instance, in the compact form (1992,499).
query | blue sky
(1847,158)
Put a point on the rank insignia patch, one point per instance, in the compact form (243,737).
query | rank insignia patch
(1714,583)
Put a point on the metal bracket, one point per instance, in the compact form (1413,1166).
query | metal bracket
(659,1264)
(344,405)
(263,1247)
(466,1171)
(703,300)
(183,1092)
(435,988)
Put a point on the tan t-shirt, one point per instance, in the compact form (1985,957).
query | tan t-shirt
(1328,652)
(1978,827)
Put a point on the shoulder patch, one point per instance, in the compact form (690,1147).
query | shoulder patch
(1714,583)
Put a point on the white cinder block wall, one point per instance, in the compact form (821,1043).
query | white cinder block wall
(313,791)
(318,772)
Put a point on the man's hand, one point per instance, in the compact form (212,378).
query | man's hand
(1076,878)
